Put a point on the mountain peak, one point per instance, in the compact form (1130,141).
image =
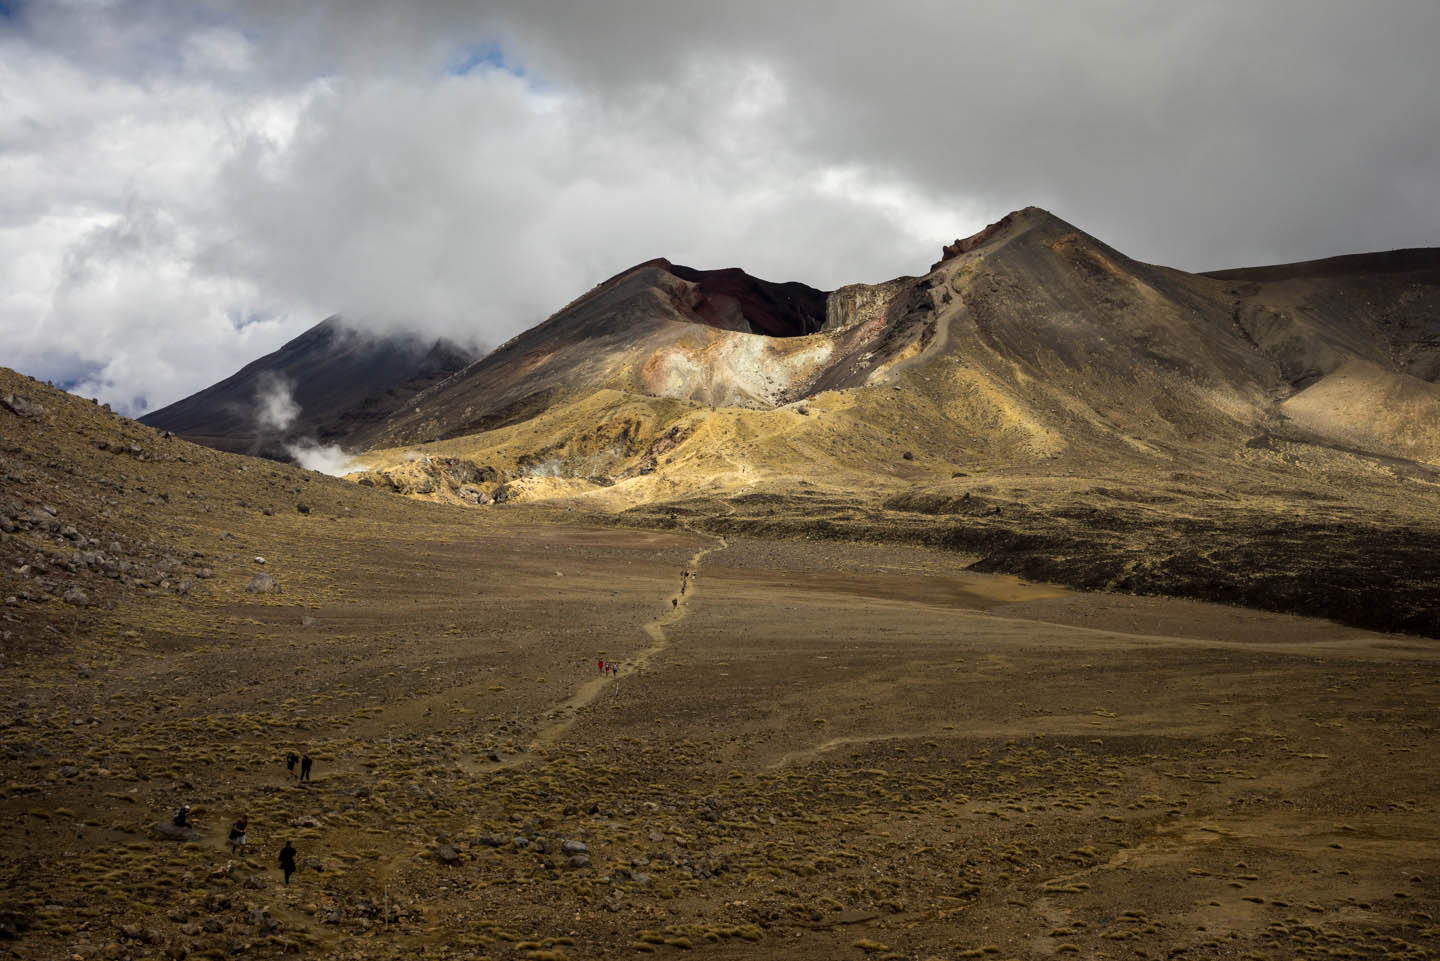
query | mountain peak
(330,381)
(1015,222)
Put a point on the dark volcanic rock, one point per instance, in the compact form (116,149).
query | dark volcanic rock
(168,831)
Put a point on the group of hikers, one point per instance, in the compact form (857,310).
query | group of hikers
(239,831)
(305,762)
(686,576)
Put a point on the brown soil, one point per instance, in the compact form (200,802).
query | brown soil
(825,749)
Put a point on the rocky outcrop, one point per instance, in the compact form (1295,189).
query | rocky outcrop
(21,406)
(966,244)
(423,474)
(857,304)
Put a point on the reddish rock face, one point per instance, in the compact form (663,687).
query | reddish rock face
(760,306)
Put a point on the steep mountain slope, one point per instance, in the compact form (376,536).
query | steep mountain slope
(327,384)
(1357,341)
(657,329)
(1383,307)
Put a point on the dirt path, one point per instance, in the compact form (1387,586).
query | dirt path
(937,344)
(565,713)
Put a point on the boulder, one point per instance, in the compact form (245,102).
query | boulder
(447,854)
(169,831)
(21,406)
(262,584)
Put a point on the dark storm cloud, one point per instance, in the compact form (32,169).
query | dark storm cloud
(465,168)
(1198,134)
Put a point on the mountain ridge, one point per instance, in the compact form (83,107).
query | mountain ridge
(1029,339)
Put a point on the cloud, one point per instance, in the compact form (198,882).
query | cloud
(462,170)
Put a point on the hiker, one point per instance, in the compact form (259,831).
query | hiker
(287,860)
(305,763)
(290,760)
(600,665)
(182,817)
(674,602)
(237,834)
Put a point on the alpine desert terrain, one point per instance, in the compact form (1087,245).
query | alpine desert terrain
(1046,604)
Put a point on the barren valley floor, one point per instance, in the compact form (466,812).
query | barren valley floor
(824,750)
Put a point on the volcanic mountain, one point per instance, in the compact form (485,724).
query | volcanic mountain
(326,385)
(1036,400)
(1029,341)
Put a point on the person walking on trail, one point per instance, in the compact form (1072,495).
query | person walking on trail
(291,760)
(674,602)
(305,763)
(237,834)
(287,860)
(600,666)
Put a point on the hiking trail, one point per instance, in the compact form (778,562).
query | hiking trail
(566,713)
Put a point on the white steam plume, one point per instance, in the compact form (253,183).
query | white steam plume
(325,458)
(276,410)
(275,406)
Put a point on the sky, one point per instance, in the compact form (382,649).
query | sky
(184,186)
